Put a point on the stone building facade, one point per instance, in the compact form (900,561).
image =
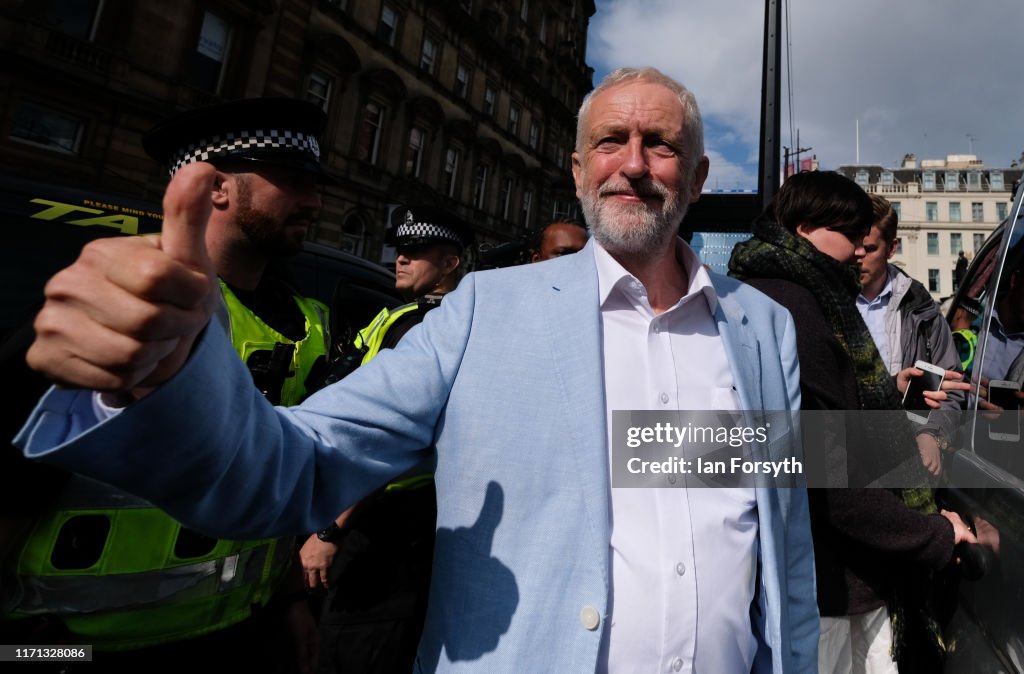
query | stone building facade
(945,206)
(464,104)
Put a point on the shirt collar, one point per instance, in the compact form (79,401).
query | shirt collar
(882,297)
(612,275)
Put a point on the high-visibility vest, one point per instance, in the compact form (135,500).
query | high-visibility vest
(122,575)
(249,334)
(966,342)
(370,338)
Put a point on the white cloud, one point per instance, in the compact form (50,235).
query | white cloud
(920,75)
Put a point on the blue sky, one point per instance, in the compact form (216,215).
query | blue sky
(929,77)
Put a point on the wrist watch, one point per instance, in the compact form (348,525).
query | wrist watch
(329,534)
(940,439)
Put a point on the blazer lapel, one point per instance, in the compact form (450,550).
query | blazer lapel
(573,316)
(742,350)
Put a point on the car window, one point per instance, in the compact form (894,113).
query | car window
(998,367)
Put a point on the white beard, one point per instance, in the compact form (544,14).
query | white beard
(634,230)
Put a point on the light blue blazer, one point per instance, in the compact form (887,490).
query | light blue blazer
(506,380)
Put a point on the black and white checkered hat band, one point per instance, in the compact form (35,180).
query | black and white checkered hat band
(425,230)
(235,143)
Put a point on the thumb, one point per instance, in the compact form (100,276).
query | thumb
(187,208)
(490,514)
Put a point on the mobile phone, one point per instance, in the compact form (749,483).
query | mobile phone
(1006,425)
(913,399)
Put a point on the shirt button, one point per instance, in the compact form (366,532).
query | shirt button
(657,328)
(677,664)
(680,568)
(590,618)
(671,479)
(664,398)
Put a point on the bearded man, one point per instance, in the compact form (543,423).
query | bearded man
(541,563)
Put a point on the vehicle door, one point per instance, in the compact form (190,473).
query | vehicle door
(984,477)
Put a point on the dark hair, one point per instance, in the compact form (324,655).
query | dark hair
(823,199)
(538,237)
(886,219)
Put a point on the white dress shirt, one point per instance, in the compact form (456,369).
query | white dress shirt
(683,561)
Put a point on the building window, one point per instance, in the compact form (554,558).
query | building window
(490,96)
(952,181)
(931,211)
(451,171)
(525,207)
(534,139)
(886,178)
(370,133)
(933,243)
(995,180)
(974,180)
(954,211)
(895,207)
(77,18)
(318,90)
(1001,211)
(414,152)
(46,128)
(862,179)
(211,53)
(506,196)
(428,55)
(956,243)
(928,180)
(560,155)
(977,211)
(933,280)
(979,241)
(480,186)
(513,119)
(387,29)
(461,89)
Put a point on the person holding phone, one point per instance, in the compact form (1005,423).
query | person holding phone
(909,331)
(866,541)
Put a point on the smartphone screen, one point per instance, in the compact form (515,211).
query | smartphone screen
(914,399)
(1005,425)
(1003,396)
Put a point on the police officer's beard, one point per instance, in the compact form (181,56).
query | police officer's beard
(265,233)
(634,230)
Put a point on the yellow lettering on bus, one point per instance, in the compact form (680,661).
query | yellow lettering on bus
(125,224)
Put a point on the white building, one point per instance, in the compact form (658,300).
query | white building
(944,206)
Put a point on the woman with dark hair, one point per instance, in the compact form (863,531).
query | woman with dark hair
(802,255)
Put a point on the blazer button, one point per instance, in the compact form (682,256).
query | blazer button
(590,618)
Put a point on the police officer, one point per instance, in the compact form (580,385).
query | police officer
(120,574)
(375,558)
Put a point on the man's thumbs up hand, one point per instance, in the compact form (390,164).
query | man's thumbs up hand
(187,208)
(126,313)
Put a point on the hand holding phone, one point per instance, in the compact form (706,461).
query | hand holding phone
(913,398)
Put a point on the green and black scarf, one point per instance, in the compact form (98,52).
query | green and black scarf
(775,252)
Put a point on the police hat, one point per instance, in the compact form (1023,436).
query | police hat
(415,225)
(279,131)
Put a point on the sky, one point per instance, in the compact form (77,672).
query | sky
(928,77)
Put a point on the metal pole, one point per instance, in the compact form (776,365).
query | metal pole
(771,114)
